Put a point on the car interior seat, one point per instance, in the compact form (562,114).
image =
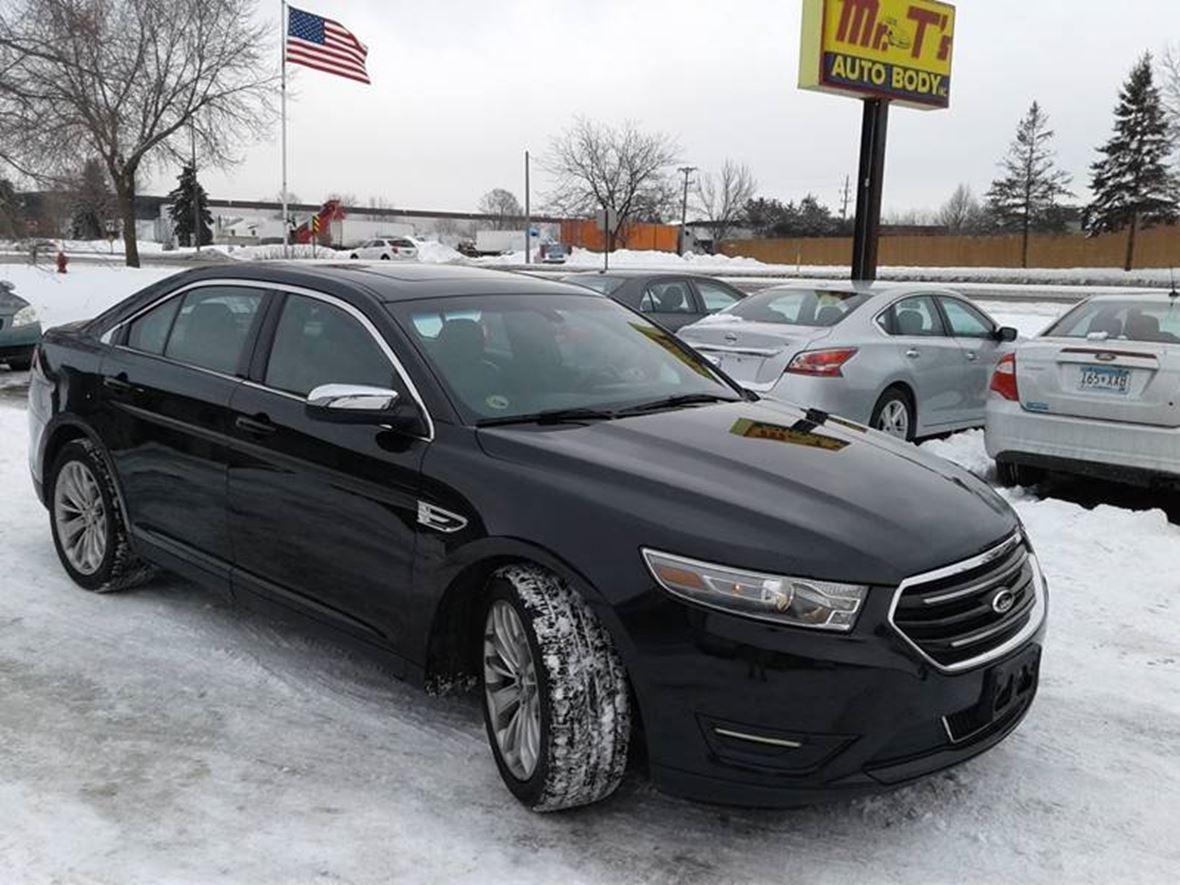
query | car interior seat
(1142,327)
(211,338)
(1106,322)
(829,315)
(672,299)
(911,322)
(459,349)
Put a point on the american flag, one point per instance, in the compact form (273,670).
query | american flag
(325,45)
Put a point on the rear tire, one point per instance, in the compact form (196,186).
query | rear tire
(20,364)
(385,257)
(89,530)
(555,697)
(894,414)
(353,256)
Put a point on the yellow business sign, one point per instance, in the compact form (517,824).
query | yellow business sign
(895,49)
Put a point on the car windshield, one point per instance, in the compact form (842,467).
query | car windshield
(596,281)
(1128,319)
(505,356)
(797,307)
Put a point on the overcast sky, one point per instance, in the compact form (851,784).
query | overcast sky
(461,88)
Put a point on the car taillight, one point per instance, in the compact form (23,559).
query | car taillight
(826,363)
(1004,378)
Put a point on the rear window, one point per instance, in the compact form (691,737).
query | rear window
(798,307)
(1129,320)
(597,282)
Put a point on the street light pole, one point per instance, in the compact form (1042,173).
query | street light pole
(528,220)
(685,171)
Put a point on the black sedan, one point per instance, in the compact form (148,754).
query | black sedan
(517,484)
(671,299)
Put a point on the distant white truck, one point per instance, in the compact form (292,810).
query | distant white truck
(497,242)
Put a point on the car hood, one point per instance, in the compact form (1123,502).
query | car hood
(765,485)
(11,302)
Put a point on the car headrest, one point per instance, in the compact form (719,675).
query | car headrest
(460,339)
(910,322)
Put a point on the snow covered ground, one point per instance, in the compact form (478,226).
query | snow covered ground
(166,736)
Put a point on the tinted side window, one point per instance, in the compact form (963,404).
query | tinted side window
(915,316)
(715,297)
(149,332)
(965,321)
(317,343)
(668,296)
(213,326)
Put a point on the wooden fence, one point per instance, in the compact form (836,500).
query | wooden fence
(1157,247)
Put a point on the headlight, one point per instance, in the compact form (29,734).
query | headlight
(799,602)
(26,316)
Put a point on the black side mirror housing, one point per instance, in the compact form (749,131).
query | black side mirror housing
(1006,333)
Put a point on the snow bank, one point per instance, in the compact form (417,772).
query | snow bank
(85,291)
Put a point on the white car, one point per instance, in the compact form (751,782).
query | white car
(1097,393)
(387,249)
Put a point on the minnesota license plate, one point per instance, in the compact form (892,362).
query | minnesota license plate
(1104,379)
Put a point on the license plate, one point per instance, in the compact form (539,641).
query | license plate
(1104,379)
(1006,689)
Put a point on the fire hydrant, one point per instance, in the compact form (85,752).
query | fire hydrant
(62,261)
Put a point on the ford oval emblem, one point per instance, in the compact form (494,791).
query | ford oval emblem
(1105,357)
(1003,601)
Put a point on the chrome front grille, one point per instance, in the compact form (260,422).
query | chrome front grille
(966,614)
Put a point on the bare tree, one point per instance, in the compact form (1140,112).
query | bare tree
(595,166)
(379,203)
(722,199)
(129,81)
(1170,92)
(961,213)
(504,205)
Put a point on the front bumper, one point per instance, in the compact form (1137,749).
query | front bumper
(746,713)
(1084,445)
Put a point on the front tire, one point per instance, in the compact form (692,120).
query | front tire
(556,705)
(87,521)
(1009,474)
(894,414)
(353,256)
(20,364)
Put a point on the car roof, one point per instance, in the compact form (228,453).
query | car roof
(631,274)
(394,281)
(1156,296)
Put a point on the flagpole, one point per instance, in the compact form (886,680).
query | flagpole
(283,102)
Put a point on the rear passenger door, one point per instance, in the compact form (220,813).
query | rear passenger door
(927,358)
(671,302)
(164,416)
(323,515)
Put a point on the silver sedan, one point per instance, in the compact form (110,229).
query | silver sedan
(910,360)
(1096,393)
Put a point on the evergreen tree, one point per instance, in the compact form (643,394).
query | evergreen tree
(189,191)
(1131,183)
(1025,197)
(92,203)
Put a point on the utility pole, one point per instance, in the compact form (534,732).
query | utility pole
(845,198)
(685,171)
(528,220)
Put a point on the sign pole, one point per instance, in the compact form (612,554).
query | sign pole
(528,215)
(283,103)
(869,187)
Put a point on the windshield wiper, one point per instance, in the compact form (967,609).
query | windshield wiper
(550,416)
(671,402)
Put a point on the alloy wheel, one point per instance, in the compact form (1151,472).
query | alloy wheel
(895,419)
(81,518)
(511,690)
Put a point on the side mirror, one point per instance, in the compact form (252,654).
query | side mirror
(358,404)
(1006,333)
(6,286)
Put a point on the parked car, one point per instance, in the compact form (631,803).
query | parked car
(396,249)
(1097,393)
(19,328)
(673,300)
(909,360)
(553,253)
(515,483)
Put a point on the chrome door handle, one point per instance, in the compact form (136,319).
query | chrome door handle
(971,356)
(913,353)
(253,427)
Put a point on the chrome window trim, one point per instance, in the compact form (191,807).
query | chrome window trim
(265,286)
(1035,618)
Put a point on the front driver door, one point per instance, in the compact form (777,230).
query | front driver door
(323,516)
(976,337)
